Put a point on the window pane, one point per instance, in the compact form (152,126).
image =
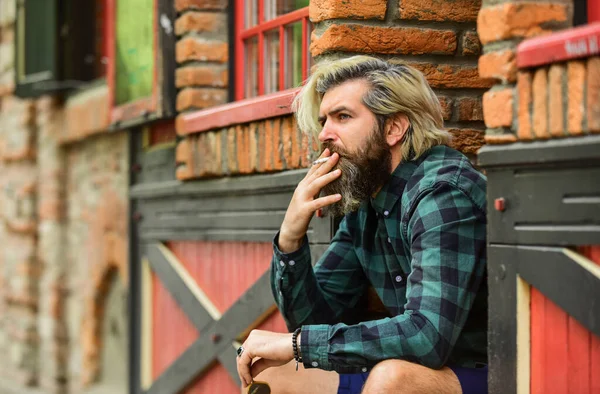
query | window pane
(293,55)
(251,17)
(135,49)
(275,8)
(272,61)
(251,53)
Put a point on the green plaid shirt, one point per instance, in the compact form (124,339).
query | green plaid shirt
(420,243)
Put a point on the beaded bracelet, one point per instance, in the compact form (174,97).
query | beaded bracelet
(295,346)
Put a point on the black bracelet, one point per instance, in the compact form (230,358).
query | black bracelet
(295,346)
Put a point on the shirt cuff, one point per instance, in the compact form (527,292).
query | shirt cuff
(313,345)
(296,260)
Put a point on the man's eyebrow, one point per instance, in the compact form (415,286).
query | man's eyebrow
(334,111)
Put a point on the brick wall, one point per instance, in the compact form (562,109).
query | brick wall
(438,38)
(517,105)
(559,100)
(97,186)
(202,53)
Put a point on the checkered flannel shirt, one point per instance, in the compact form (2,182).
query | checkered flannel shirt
(420,243)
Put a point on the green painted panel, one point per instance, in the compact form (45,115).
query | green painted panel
(135,49)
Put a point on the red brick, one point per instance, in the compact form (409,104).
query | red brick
(191,48)
(243,153)
(182,5)
(500,65)
(198,98)
(277,145)
(211,76)
(498,108)
(296,143)
(470,109)
(555,100)
(320,10)
(524,111)
(470,43)
(452,76)
(200,22)
(496,139)
(384,40)
(593,94)
(467,140)
(446,103)
(253,145)
(183,154)
(540,103)
(286,141)
(576,72)
(433,10)
(517,20)
(304,151)
(267,164)
(232,165)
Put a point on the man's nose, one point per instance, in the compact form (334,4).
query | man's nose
(327,133)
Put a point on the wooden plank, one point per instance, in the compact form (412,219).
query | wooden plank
(556,348)
(244,235)
(595,364)
(541,266)
(146,326)
(523,336)
(255,184)
(578,362)
(582,149)
(538,338)
(211,220)
(252,305)
(502,334)
(183,289)
(228,358)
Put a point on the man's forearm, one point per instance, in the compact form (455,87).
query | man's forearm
(288,244)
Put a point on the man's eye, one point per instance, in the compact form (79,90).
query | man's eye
(344,116)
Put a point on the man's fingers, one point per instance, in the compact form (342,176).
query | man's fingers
(243,363)
(315,187)
(324,201)
(261,364)
(313,168)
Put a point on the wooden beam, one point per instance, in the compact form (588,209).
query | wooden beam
(523,336)
(147,317)
(182,287)
(246,312)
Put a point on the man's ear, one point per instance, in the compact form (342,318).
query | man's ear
(396,129)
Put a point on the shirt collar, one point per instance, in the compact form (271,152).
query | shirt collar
(388,196)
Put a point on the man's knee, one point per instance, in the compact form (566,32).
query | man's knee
(389,375)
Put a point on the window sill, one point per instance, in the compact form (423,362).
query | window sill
(245,111)
(579,42)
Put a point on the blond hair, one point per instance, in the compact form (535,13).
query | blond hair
(395,88)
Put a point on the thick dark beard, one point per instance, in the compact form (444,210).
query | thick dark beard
(363,173)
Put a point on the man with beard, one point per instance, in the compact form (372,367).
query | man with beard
(413,234)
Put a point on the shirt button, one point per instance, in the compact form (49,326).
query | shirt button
(364,369)
(292,263)
(389,240)
(385,213)
(281,263)
(398,278)
(314,364)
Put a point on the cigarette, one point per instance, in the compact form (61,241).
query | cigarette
(319,161)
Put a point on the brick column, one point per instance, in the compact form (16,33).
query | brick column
(52,254)
(202,53)
(438,38)
(501,26)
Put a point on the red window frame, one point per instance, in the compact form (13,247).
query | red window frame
(262,27)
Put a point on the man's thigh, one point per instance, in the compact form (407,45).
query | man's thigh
(403,377)
(286,380)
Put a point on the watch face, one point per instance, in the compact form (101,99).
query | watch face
(259,388)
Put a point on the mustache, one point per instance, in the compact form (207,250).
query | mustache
(343,153)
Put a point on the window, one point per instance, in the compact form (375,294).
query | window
(272,39)
(54,46)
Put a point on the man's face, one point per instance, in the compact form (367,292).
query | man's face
(352,130)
